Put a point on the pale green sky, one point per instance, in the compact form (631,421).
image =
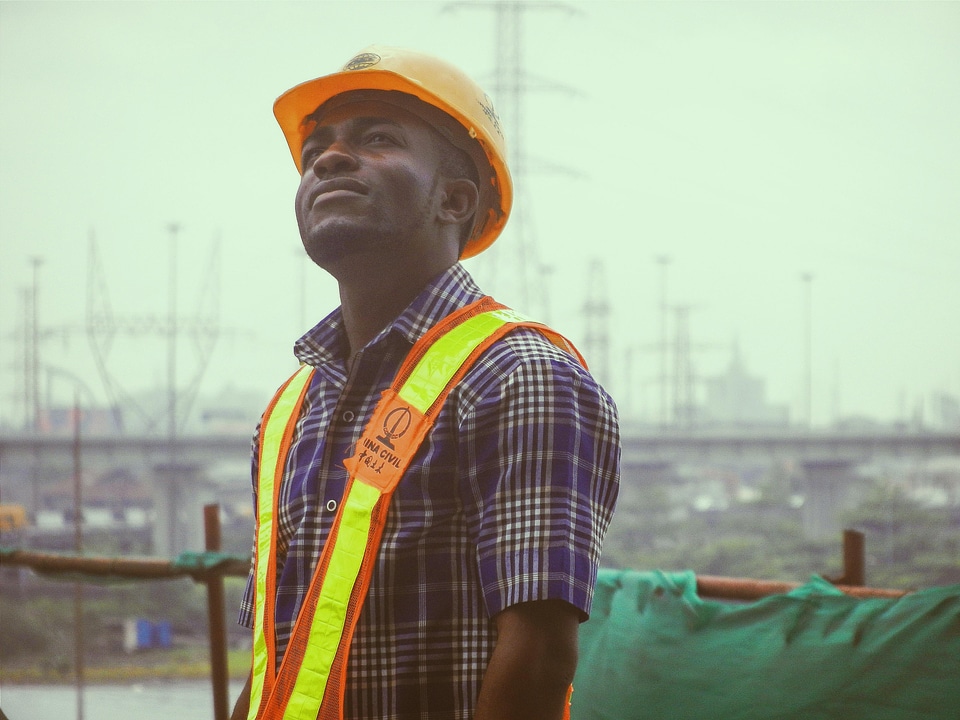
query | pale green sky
(749,142)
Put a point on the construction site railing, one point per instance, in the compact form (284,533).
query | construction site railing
(211,566)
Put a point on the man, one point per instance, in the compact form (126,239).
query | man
(491,538)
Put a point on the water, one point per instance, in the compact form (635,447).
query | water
(152,700)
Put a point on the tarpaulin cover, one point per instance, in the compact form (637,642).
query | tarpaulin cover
(197,561)
(654,649)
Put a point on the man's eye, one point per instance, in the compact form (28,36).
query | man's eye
(379,138)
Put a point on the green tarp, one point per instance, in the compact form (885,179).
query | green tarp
(192,561)
(654,649)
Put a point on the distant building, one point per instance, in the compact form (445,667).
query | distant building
(945,411)
(61,421)
(739,399)
(230,411)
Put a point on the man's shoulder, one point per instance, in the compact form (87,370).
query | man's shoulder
(528,345)
(527,355)
(524,379)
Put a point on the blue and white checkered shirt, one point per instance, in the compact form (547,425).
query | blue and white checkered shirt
(506,501)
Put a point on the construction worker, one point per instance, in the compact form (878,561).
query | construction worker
(433,485)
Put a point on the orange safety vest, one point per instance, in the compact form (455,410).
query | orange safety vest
(310,682)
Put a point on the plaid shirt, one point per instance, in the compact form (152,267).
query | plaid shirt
(506,501)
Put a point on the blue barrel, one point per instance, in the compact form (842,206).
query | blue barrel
(163,634)
(144,634)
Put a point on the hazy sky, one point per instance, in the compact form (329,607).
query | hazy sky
(748,142)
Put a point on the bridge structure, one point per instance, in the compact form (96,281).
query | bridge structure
(641,447)
(825,463)
(183,474)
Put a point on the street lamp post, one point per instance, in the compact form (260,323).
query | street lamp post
(807,279)
(664,262)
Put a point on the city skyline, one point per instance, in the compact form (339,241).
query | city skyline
(750,144)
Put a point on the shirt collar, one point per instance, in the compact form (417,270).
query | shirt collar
(453,289)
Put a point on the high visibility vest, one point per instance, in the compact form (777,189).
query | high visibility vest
(310,682)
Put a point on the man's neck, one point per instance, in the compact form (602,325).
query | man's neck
(372,305)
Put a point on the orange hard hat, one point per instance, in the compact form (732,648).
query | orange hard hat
(436,83)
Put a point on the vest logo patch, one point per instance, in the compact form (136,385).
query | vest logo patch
(395,426)
(388,443)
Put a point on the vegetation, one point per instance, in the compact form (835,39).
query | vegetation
(908,545)
(37,636)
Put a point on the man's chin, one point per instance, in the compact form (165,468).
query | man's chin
(332,249)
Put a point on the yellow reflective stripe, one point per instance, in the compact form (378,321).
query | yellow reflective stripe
(446,355)
(273,431)
(330,616)
(509,315)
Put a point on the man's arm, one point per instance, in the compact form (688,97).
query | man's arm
(532,664)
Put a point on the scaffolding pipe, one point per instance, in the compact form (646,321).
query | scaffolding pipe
(724,588)
(721,588)
(120,568)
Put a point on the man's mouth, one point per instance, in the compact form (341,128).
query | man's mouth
(337,187)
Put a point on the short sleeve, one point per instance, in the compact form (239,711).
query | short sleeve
(541,448)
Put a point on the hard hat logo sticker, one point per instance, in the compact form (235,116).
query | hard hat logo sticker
(487,105)
(362,61)
(395,425)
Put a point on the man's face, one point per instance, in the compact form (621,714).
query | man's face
(370,176)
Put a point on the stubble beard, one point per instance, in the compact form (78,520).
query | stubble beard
(342,239)
(332,246)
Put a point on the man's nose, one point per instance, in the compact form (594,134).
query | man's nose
(336,157)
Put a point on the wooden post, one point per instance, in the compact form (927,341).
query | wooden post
(78,637)
(854,558)
(216,611)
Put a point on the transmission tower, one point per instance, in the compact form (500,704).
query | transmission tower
(515,266)
(675,379)
(596,312)
(31,361)
(685,379)
(28,366)
(202,329)
(661,380)
(23,393)
(664,349)
(684,400)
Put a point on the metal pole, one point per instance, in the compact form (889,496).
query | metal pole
(173,481)
(174,228)
(78,639)
(216,611)
(808,349)
(663,261)
(34,340)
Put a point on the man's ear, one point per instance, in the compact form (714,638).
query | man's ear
(459,201)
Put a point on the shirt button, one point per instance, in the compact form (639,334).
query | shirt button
(348,416)
(331,505)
